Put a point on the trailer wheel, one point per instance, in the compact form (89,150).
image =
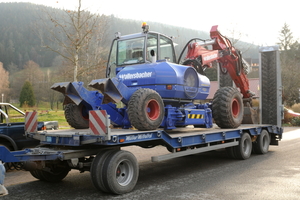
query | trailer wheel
(230,152)
(146,109)
(37,174)
(120,172)
(244,149)
(54,175)
(261,145)
(76,116)
(228,108)
(97,170)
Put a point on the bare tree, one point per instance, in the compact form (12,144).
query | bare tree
(76,37)
(4,81)
(31,72)
(237,37)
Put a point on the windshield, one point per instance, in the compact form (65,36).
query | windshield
(131,51)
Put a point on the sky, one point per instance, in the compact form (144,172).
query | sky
(255,21)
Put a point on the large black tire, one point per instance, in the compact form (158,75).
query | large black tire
(230,152)
(37,174)
(145,109)
(54,175)
(228,108)
(244,149)
(97,172)
(120,172)
(262,143)
(225,79)
(76,116)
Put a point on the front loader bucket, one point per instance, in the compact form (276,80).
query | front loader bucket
(113,90)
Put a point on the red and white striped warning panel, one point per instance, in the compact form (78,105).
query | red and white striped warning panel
(31,122)
(99,122)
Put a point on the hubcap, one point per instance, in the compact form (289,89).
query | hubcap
(235,108)
(124,173)
(153,109)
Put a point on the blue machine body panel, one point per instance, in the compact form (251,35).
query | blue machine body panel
(160,74)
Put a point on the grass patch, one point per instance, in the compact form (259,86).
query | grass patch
(44,114)
(54,116)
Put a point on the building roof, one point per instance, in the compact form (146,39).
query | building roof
(254,87)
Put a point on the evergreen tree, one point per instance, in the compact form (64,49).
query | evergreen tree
(27,95)
(290,65)
(285,38)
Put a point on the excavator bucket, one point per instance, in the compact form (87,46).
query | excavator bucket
(74,92)
(60,87)
(109,89)
(69,90)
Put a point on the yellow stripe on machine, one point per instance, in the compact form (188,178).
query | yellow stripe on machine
(195,116)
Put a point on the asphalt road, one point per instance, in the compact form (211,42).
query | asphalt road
(275,175)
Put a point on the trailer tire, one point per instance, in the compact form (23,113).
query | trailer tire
(146,109)
(36,174)
(97,170)
(230,152)
(244,149)
(228,108)
(120,172)
(76,116)
(53,176)
(262,143)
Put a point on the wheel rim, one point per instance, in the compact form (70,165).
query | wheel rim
(153,109)
(124,173)
(235,108)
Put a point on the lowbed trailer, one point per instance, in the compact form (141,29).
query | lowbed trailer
(98,148)
(116,171)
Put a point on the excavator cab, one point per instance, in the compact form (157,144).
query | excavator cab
(140,48)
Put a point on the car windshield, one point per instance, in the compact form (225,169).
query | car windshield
(131,51)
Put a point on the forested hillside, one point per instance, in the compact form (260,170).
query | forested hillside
(24,32)
(18,42)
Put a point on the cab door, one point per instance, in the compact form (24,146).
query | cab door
(166,49)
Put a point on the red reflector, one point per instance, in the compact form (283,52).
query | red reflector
(169,87)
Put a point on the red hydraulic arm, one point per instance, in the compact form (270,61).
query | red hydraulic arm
(231,60)
(222,52)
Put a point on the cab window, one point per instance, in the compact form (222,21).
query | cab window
(166,49)
(151,45)
(131,51)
